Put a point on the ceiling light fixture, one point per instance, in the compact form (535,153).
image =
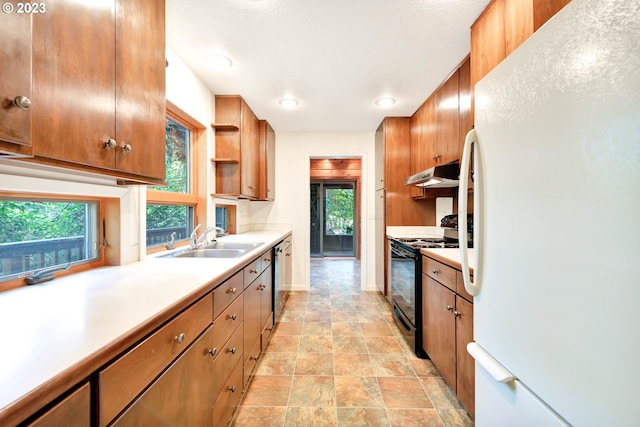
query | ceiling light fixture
(385,102)
(288,103)
(218,62)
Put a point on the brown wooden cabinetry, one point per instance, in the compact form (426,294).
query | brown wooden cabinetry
(258,312)
(72,411)
(99,88)
(15,86)
(267,175)
(447,147)
(502,27)
(182,395)
(237,148)
(448,328)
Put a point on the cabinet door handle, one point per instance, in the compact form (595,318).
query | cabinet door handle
(22,102)
(126,148)
(213,351)
(233,350)
(233,317)
(457,313)
(254,358)
(449,308)
(179,338)
(251,187)
(436,157)
(232,389)
(232,290)
(110,143)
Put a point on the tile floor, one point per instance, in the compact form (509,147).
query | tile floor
(336,358)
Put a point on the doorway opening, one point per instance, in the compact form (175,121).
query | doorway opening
(333,219)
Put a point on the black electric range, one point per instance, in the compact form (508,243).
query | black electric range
(405,277)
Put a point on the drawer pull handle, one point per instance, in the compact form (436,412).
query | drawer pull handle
(252,271)
(266,259)
(270,329)
(233,317)
(213,351)
(449,308)
(254,358)
(233,350)
(231,290)
(434,271)
(179,338)
(232,389)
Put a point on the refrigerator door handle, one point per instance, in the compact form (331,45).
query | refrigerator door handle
(489,364)
(472,287)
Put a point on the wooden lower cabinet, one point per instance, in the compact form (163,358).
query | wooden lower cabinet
(447,328)
(182,395)
(465,365)
(72,411)
(228,399)
(258,319)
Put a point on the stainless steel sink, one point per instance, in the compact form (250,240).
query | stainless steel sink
(207,253)
(234,245)
(216,250)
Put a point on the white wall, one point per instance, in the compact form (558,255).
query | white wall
(292,204)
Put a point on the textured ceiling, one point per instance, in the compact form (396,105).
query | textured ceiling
(335,56)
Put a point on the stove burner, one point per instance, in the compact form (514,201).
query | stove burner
(428,242)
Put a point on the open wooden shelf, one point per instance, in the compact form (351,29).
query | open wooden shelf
(224,160)
(224,126)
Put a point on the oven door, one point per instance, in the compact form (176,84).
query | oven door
(402,278)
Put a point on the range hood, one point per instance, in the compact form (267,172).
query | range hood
(437,177)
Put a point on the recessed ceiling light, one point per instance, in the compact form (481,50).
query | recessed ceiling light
(288,102)
(218,62)
(385,102)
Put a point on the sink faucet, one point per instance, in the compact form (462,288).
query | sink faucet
(202,240)
(193,239)
(220,232)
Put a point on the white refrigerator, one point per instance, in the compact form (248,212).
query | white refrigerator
(556,154)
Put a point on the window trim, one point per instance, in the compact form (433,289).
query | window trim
(84,266)
(198,150)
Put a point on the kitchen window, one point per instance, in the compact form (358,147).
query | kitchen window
(44,232)
(172,210)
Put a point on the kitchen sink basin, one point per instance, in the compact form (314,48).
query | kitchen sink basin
(207,253)
(234,245)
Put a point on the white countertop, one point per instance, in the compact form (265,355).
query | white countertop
(408,232)
(450,256)
(47,329)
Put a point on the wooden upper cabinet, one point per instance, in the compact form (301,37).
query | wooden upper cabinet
(487,40)
(99,87)
(140,87)
(448,122)
(237,148)
(502,27)
(267,176)
(15,86)
(416,151)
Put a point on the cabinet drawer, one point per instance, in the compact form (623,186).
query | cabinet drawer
(250,362)
(252,271)
(440,272)
(229,355)
(228,398)
(266,332)
(266,260)
(225,324)
(225,293)
(460,290)
(123,380)
(73,411)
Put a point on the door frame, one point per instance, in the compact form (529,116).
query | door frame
(356,213)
